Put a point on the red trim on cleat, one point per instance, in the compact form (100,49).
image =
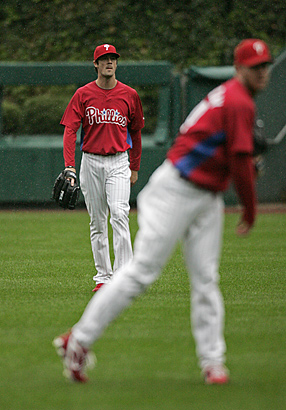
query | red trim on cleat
(75,357)
(97,287)
(216,374)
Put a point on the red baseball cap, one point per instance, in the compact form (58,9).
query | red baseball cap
(252,52)
(105,49)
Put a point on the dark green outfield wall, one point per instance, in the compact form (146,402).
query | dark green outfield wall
(30,164)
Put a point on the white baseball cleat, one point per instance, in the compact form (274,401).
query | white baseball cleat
(76,358)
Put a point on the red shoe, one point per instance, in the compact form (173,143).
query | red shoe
(76,358)
(97,287)
(216,374)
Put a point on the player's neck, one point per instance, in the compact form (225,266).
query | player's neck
(246,85)
(107,83)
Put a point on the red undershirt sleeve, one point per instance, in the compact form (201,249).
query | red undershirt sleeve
(69,142)
(136,150)
(242,171)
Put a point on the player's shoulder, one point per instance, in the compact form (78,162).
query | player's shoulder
(236,94)
(84,91)
(87,87)
(126,87)
(233,88)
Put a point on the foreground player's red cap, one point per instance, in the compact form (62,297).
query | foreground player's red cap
(105,49)
(252,52)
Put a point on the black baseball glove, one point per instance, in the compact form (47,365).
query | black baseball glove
(260,143)
(63,193)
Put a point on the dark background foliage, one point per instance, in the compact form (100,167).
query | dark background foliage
(185,32)
(199,32)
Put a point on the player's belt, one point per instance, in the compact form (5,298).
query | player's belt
(197,186)
(104,155)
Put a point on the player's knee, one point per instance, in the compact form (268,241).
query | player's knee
(119,213)
(97,227)
(145,273)
(138,275)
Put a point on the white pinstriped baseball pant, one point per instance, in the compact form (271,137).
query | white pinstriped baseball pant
(105,183)
(170,209)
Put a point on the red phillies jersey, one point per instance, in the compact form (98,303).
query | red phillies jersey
(218,127)
(109,119)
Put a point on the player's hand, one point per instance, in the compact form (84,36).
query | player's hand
(134,177)
(259,165)
(243,229)
(71,179)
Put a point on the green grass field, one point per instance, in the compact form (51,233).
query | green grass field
(146,358)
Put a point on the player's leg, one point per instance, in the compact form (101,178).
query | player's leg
(118,194)
(202,247)
(92,182)
(162,221)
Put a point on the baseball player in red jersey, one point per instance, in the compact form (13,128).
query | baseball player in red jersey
(111,116)
(183,201)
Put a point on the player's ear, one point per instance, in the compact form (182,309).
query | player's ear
(95,63)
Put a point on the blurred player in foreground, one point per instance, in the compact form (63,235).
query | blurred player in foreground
(183,201)
(111,116)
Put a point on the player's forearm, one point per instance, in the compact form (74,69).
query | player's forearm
(69,141)
(136,150)
(242,171)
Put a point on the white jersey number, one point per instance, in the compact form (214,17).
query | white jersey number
(214,99)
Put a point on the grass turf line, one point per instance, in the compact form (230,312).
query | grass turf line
(146,358)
